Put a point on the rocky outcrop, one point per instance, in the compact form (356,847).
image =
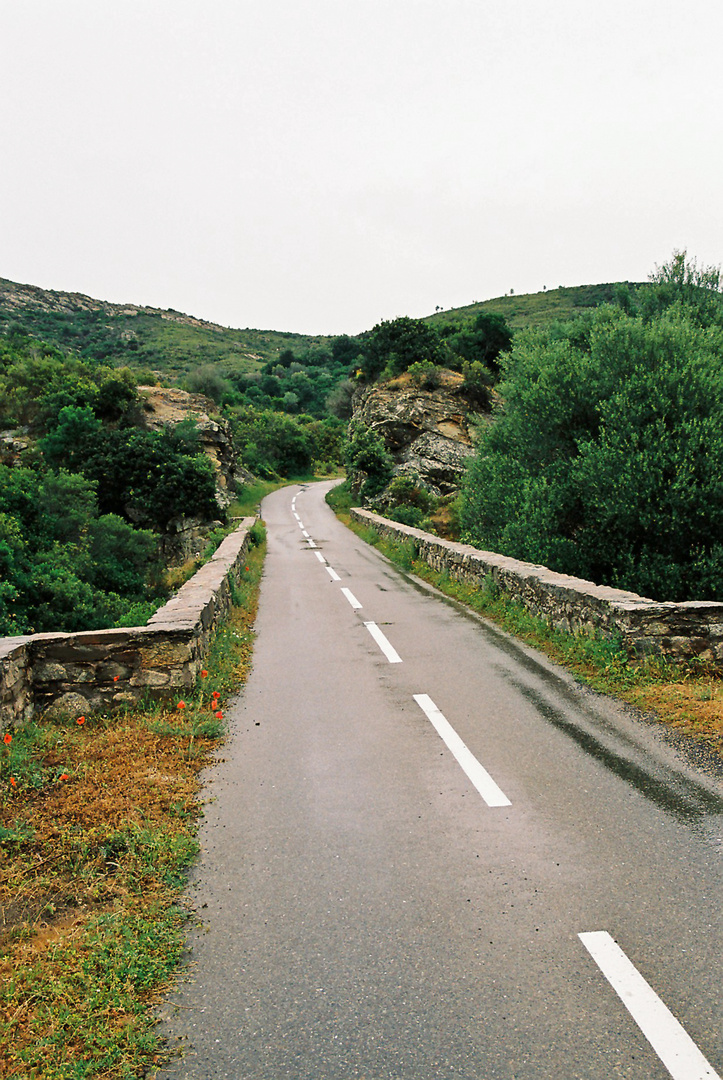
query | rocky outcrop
(429,433)
(163,407)
(185,538)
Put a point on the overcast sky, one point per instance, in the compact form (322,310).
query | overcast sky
(319,165)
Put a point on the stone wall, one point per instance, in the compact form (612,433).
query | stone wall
(107,669)
(692,629)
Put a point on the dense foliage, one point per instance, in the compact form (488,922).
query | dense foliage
(62,563)
(72,556)
(606,460)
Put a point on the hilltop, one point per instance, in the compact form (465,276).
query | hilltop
(532,309)
(167,342)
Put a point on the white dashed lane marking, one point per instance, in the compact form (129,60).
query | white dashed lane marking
(391,653)
(669,1039)
(479,776)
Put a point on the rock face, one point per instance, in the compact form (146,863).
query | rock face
(429,433)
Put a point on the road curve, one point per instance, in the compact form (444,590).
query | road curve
(429,854)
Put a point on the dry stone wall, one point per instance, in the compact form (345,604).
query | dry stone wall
(684,631)
(107,669)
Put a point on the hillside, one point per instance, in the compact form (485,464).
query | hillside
(167,342)
(532,309)
(171,343)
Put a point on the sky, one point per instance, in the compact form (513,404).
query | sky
(319,165)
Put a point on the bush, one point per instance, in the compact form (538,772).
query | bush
(368,465)
(605,460)
(425,375)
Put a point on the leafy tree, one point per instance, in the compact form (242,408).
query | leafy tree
(270,443)
(62,566)
(339,401)
(394,346)
(368,465)
(606,460)
(483,342)
(209,381)
(345,350)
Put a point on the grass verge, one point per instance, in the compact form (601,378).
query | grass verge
(98,824)
(686,697)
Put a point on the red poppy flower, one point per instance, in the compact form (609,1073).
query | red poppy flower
(181,705)
(219,715)
(80,720)
(13,781)
(63,776)
(204,674)
(116,678)
(7,738)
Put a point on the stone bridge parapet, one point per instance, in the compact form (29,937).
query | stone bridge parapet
(678,630)
(109,669)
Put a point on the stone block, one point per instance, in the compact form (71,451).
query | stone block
(49,672)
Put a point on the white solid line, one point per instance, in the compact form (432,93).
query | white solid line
(351,598)
(670,1041)
(391,654)
(332,574)
(320,557)
(488,789)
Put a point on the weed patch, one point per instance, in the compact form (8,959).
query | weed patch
(97,830)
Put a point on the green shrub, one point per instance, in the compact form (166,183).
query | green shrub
(605,462)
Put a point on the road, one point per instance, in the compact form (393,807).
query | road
(430,854)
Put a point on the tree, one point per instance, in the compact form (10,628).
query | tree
(606,460)
(488,336)
(393,346)
(368,465)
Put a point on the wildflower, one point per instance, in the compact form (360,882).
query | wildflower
(181,705)
(116,678)
(219,715)
(63,776)
(13,781)
(80,720)
(204,674)
(7,738)
(216,693)
(246,568)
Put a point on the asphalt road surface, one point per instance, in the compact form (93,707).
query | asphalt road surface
(429,854)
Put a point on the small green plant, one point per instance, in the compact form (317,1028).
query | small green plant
(425,374)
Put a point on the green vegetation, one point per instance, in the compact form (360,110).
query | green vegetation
(65,565)
(423,348)
(531,309)
(605,460)
(169,342)
(273,444)
(98,822)
(73,554)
